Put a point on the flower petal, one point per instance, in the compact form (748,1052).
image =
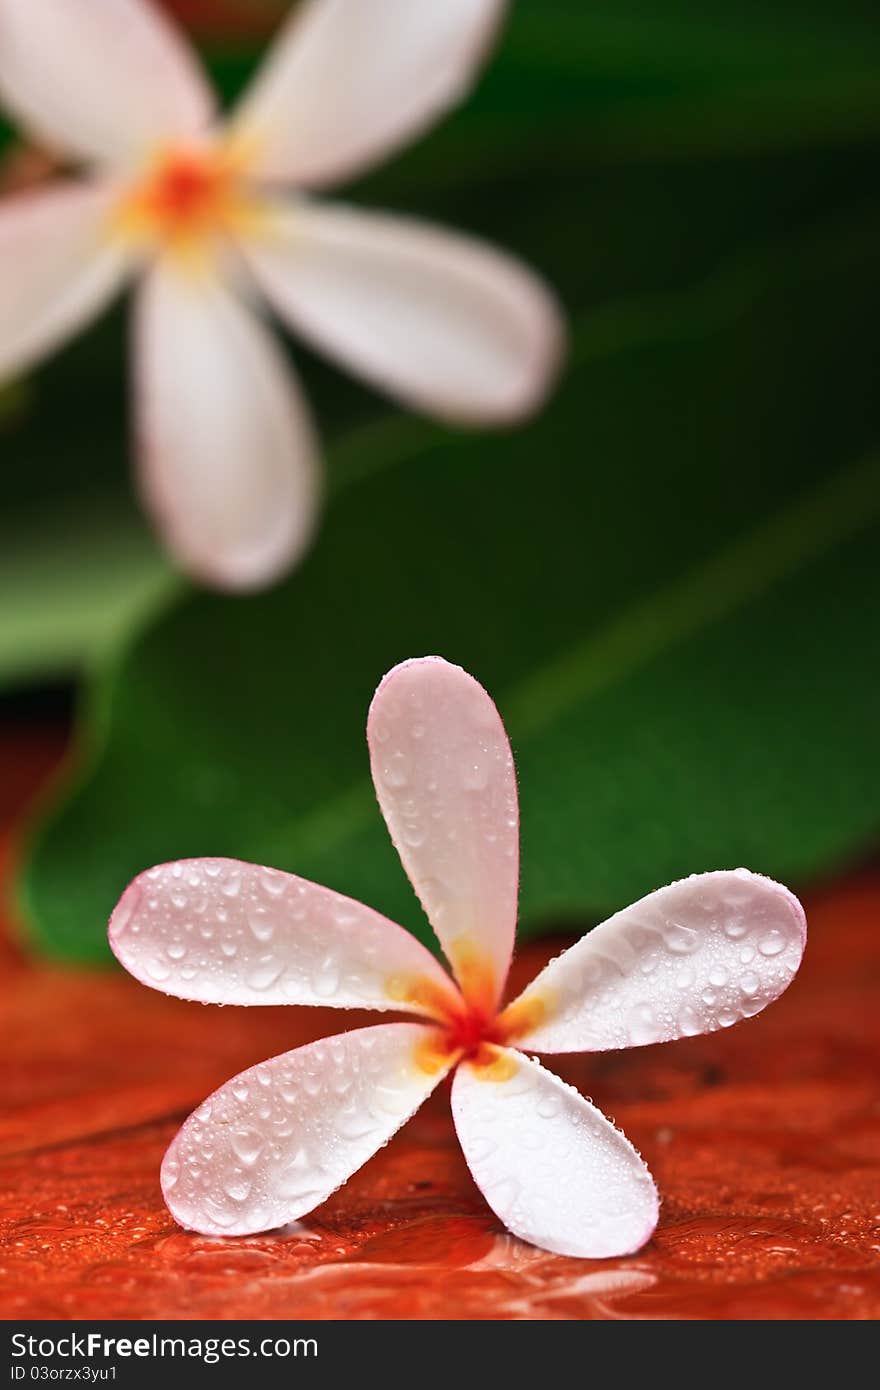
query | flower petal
(276,1140)
(345,84)
(444,777)
(550,1165)
(225,932)
(440,321)
(60,268)
(228,450)
(690,958)
(105,80)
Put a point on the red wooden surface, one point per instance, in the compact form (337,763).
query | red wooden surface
(765,1140)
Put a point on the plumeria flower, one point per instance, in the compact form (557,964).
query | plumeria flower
(276,1141)
(210,215)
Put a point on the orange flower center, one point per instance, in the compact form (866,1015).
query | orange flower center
(189,196)
(468,1025)
(467,1032)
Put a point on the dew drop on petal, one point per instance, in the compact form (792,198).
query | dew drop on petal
(247,1144)
(771,943)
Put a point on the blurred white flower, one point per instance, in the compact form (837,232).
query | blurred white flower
(227,452)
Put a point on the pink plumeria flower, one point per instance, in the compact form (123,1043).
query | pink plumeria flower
(276,1141)
(228,457)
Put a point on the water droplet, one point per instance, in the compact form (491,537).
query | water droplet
(642,1024)
(247,1144)
(125,911)
(261,924)
(158,969)
(213,868)
(326,981)
(475,772)
(771,943)
(231,886)
(273,882)
(354,1123)
(176,950)
(708,997)
(718,976)
(229,949)
(265,972)
(747,955)
(735,928)
(395,772)
(239,1189)
(681,940)
(179,901)
(689,1022)
(750,983)
(240,1090)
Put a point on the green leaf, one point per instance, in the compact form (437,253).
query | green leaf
(668,583)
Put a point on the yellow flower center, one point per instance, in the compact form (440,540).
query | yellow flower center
(188,199)
(469,1027)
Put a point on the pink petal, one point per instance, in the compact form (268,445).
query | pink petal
(346,83)
(690,958)
(440,321)
(229,464)
(276,1140)
(59,268)
(444,777)
(100,79)
(225,932)
(550,1165)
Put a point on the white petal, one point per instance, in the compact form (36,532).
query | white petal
(550,1165)
(276,1140)
(101,79)
(228,451)
(440,321)
(58,268)
(225,932)
(690,958)
(444,777)
(347,83)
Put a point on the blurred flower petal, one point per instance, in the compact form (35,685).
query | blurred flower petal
(59,268)
(226,932)
(549,1164)
(100,79)
(227,445)
(347,83)
(276,1140)
(441,321)
(445,781)
(690,958)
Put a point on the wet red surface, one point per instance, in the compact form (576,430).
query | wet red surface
(764,1139)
